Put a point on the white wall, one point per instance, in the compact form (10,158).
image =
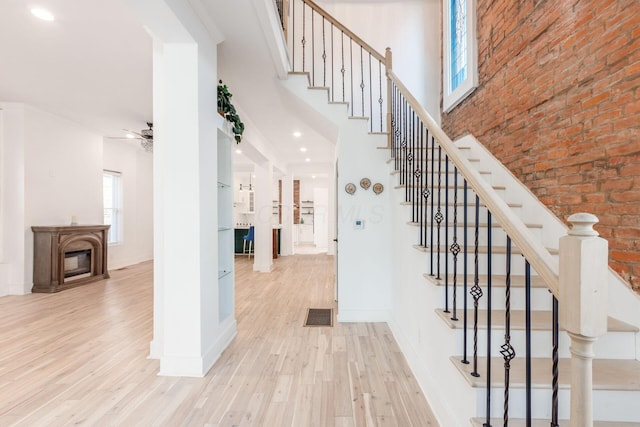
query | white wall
(12,221)
(63,176)
(136,167)
(52,170)
(364,270)
(411,29)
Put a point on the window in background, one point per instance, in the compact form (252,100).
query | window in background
(460,51)
(112,201)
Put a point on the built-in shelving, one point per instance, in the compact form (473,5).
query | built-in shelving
(225,225)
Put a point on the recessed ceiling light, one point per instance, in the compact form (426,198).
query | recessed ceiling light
(313,176)
(307,159)
(130,135)
(43,14)
(239,151)
(303,149)
(297,134)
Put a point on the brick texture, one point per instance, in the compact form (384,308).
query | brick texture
(558,103)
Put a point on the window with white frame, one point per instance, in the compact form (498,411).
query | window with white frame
(460,51)
(112,201)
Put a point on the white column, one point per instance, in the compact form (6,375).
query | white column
(286,236)
(187,338)
(583,307)
(263,260)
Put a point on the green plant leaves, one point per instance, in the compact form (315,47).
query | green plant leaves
(229,111)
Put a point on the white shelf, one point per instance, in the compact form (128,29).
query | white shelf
(225,145)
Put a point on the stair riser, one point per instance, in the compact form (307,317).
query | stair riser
(608,405)
(498,236)
(540,297)
(498,264)
(447,191)
(614,345)
(470,210)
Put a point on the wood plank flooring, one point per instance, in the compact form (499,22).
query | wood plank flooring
(80,357)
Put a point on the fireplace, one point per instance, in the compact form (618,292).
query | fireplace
(68,256)
(77,263)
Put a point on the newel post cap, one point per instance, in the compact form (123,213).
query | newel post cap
(582,224)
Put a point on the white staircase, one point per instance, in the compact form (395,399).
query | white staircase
(395,280)
(616,368)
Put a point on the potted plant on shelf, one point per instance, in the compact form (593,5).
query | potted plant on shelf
(228,111)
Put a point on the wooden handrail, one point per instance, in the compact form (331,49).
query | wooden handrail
(537,255)
(344,29)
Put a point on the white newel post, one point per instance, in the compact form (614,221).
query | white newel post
(583,307)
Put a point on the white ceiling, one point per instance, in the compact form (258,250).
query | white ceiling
(93,65)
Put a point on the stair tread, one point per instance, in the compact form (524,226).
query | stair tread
(450,186)
(470,204)
(540,320)
(516,422)
(451,172)
(497,280)
(469,160)
(608,374)
(480,224)
(481,249)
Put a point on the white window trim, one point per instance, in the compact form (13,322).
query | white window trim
(452,98)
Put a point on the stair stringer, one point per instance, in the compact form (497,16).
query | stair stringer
(624,304)
(423,337)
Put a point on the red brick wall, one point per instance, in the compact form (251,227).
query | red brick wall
(558,103)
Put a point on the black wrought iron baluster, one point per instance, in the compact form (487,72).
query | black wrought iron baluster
(394,124)
(380,99)
(407,171)
(420,185)
(476,292)
(362,79)
(489,307)
(351,101)
(425,185)
(446,234)
(507,350)
(324,57)
(554,382)
(439,217)
(455,247)
(333,87)
(304,22)
(342,69)
(527,328)
(313,49)
(411,157)
(293,34)
(431,219)
(370,97)
(464,257)
(404,146)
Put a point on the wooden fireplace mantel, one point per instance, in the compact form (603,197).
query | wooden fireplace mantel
(51,243)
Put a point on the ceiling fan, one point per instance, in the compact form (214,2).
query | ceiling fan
(145,136)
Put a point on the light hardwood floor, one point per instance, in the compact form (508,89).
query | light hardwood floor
(80,357)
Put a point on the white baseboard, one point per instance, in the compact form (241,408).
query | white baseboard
(351,316)
(180,366)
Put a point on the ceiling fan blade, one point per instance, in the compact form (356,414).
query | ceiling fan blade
(134,133)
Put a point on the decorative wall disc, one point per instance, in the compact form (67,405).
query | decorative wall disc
(365,183)
(378,188)
(350,188)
